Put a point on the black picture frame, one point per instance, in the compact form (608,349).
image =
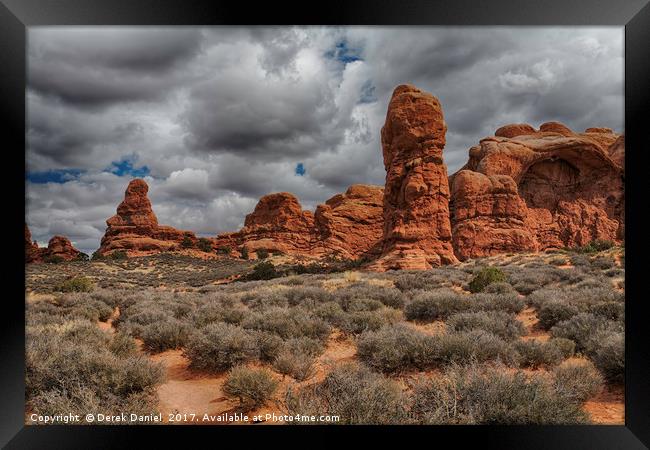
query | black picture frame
(634,15)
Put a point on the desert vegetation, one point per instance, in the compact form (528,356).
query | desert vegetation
(520,339)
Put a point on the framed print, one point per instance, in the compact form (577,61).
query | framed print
(394,220)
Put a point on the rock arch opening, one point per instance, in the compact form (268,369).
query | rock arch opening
(547,182)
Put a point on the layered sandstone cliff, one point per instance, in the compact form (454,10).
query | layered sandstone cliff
(526,190)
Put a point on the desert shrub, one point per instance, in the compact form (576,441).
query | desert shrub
(499,323)
(553,312)
(297,358)
(581,328)
(97,256)
(475,345)
(499,288)
(122,345)
(362,304)
(528,280)
(609,310)
(478,395)
(580,261)
(609,355)
(535,354)
(307,296)
(508,302)
(355,394)
(161,336)
(603,262)
(332,313)
(187,242)
(485,277)
(75,284)
(566,347)
(244,253)
(396,348)
(287,323)
(56,362)
(388,296)
(263,271)
(270,345)
(577,380)
(79,305)
(558,261)
(53,259)
(262,253)
(360,321)
(260,299)
(595,246)
(220,346)
(439,304)
(119,255)
(253,387)
(204,245)
(81,256)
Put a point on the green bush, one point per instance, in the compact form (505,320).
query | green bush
(440,304)
(262,253)
(577,380)
(119,255)
(53,259)
(553,312)
(485,277)
(205,245)
(220,346)
(97,256)
(355,394)
(82,257)
(244,253)
(75,284)
(224,250)
(597,245)
(499,323)
(253,387)
(263,271)
(187,242)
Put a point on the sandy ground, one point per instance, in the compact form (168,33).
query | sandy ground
(529,318)
(608,407)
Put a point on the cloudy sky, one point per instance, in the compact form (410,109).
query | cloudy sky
(214,118)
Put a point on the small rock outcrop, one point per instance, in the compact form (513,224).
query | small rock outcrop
(417,229)
(135,228)
(537,190)
(59,248)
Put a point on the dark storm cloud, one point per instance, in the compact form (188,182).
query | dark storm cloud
(98,67)
(221,116)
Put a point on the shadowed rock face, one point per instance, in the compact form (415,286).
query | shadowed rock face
(58,246)
(417,230)
(135,228)
(537,190)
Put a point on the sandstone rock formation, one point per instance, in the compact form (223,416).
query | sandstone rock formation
(535,190)
(135,228)
(347,226)
(350,225)
(32,253)
(277,224)
(417,230)
(58,247)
